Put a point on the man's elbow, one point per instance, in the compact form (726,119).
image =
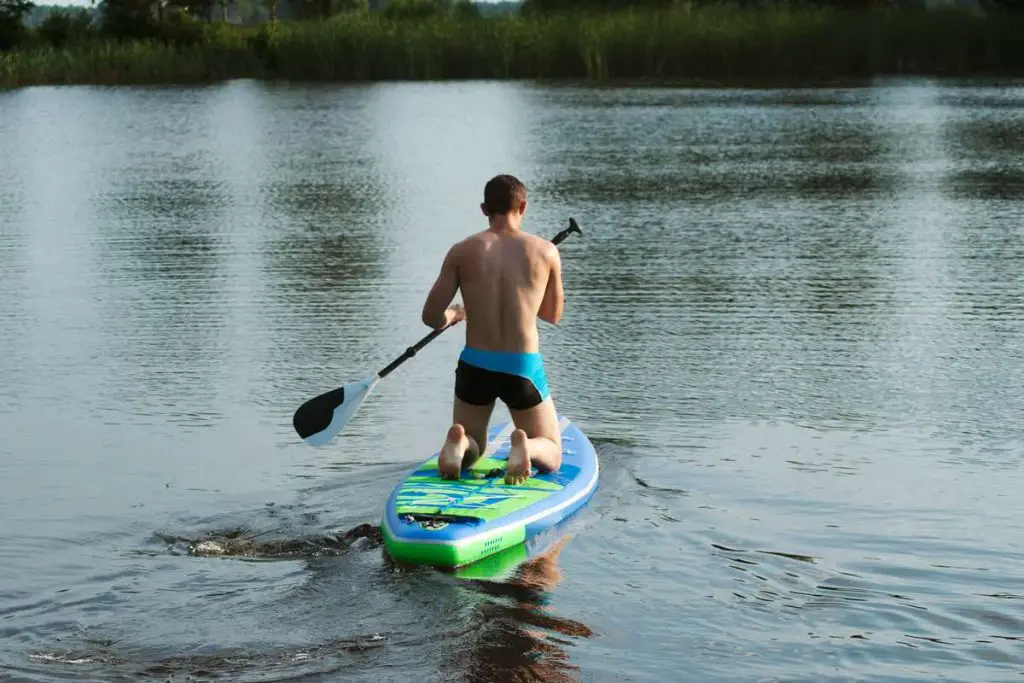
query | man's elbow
(553,319)
(551,314)
(430,318)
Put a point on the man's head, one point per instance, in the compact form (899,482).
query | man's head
(503,195)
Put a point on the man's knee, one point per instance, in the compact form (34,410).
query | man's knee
(556,441)
(539,421)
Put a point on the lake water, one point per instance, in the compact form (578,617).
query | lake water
(793,331)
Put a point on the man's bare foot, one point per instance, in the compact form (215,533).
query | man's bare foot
(518,469)
(449,462)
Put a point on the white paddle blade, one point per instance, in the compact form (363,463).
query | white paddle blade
(319,419)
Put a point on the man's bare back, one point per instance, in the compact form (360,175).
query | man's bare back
(507,283)
(508,279)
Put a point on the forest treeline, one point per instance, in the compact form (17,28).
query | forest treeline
(152,41)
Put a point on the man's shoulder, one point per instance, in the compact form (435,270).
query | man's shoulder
(465,243)
(544,247)
(475,238)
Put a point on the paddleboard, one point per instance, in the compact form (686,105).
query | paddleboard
(444,523)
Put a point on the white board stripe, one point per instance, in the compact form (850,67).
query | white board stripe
(502,436)
(499,439)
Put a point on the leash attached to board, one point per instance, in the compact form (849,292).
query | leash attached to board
(319,419)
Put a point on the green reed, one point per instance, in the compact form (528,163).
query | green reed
(690,45)
(112,63)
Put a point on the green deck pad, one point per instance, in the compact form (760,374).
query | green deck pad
(473,495)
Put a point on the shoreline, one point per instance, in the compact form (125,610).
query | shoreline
(838,84)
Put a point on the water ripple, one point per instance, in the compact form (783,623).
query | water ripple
(792,331)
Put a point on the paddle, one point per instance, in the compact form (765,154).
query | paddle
(319,419)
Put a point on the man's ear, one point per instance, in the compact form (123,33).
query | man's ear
(483,208)
(522,208)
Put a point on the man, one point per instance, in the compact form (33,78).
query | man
(508,279)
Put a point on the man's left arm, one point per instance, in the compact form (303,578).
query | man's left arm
(436,312)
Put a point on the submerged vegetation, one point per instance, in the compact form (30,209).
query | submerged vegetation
(136,41)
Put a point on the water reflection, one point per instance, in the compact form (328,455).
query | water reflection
(327,246)
(990,154)
(732,152)
(161,259)
(985,138)
(515,635)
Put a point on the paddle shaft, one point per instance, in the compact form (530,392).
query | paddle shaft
(414,349)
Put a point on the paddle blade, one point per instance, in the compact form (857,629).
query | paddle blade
(319,419)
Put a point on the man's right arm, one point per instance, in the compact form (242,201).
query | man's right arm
(552,305)
(436,312)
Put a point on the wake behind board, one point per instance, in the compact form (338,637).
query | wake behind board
(429,520)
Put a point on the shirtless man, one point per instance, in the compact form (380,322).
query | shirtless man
(508,279)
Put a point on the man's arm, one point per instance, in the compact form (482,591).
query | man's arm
(436,313)
(552,305)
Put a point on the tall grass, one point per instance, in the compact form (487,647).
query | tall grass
(698,45)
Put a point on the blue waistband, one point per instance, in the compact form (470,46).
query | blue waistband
(527,365)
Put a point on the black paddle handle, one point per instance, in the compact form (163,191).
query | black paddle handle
(411,351)
(414,349)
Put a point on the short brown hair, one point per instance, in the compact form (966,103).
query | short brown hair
(502,194)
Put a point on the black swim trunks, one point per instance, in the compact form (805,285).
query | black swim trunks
(518,379)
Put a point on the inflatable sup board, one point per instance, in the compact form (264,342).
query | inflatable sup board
(444,523)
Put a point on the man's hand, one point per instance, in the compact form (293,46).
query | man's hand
(455,314)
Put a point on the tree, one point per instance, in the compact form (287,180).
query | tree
(132,18)
(416,9)
(556,6)
(466,9)
(1003,5)
(12,23)
(200,9)
(66,25)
